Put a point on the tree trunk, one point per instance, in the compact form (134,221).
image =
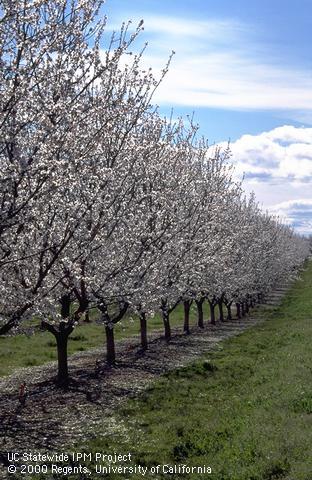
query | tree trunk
(220,305)
(200,313)
(243,309)
(166,321)
(61,343)
(187,307)
(110,344)
(7,327)
(143,330)
(212,313)
(229,312)
(87,317)
(65,302)
(61,335)
(247,306)
(238,310)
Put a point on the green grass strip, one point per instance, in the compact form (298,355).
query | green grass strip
(29,350)
(245,410)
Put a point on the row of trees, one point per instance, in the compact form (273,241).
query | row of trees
(105,204)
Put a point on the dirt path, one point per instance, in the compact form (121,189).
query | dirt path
(52,419)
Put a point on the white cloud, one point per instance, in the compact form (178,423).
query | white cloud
(181,27)
(289,133)
(219,64)
(233,81)
(282,153)
(213,29)
(297,213)
(277,166)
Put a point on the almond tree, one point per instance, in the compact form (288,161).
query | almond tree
(67,112)
(147,225)
(59,92)
(103,203)
(45,67)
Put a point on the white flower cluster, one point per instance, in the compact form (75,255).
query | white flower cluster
(104,203)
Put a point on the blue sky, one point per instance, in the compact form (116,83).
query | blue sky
(245,69)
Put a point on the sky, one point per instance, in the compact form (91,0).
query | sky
(244,70)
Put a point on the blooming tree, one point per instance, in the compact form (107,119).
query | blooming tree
(104,204)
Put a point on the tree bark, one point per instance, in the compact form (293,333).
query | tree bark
(109,323)
(187,307)
(65,305)
(200,313)
(229,312)
(61,335)
(238,310)
(143,330)
(7,327)
(247,306)
(165,316)
(212,313)
(220,305)
(62,374)
(110,344)
(243,309)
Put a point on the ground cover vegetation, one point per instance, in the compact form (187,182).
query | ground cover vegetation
(36,347)
(104,204)
(244,409)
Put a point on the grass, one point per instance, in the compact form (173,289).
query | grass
(28,350)
(245,410)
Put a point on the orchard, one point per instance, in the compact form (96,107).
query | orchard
(106,205)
